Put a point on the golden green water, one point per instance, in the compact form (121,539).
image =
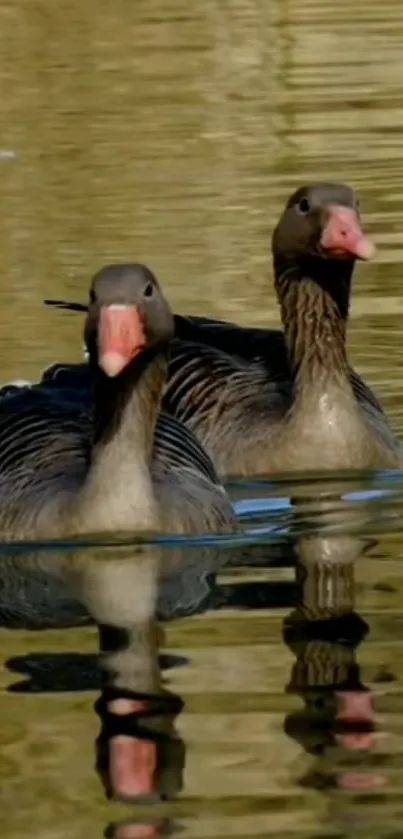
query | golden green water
(172,133)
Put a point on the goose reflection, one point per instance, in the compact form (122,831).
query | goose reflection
(127,592)
(137,829)
(140,756)
(336,724)
(123,590)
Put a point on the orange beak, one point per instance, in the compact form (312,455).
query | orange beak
(342,234)
(120,337)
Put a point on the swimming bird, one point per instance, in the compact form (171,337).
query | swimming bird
(263,401)
(113,462)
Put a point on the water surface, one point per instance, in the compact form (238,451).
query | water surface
(172,133)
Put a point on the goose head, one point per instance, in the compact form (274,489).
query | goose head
(127,315)
(322,222)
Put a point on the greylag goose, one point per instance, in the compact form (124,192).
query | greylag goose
(263,401)
(254,418)
(122,465)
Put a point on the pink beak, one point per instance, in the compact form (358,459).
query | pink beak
(120,337)
(342,234)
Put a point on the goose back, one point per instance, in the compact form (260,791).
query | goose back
(232,401)
(45,440)
(237,408)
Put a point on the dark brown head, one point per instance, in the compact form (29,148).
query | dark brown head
(322,222)
(127,315)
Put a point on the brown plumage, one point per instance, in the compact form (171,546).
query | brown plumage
(308,410)
(136,469)
(262,401)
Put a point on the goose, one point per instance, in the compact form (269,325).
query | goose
(122,465)
(265,401)
(303,408)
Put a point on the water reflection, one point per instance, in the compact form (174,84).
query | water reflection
(137,829)
(139,754)
(324,633)
(140,757)
(136,594)
(336,725)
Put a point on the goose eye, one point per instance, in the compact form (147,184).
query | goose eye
(304,206)
(149,290)
(92,296)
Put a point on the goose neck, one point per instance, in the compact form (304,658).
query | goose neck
(314,301)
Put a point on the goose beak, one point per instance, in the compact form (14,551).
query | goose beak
(120,337)
(342,235)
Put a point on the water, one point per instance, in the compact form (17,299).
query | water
(172,133)
(290,679)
